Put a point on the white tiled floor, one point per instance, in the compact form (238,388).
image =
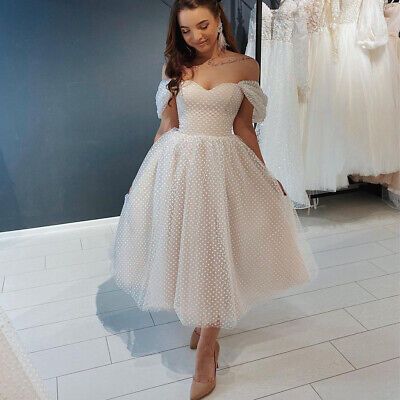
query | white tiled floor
(336,339)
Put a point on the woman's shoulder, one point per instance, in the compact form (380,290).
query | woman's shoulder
(248,67)
(240,57)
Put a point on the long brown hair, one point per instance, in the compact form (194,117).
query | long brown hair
(178,54)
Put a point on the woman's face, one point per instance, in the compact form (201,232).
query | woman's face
(199,28)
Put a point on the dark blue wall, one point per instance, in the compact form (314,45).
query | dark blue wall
(77,110)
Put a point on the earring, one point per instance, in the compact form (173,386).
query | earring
(221,37)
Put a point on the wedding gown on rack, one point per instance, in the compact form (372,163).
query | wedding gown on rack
(351,125)
(284,76)
(392,16)
(206,230)
(392,180)
(18,378)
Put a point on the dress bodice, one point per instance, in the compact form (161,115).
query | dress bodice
(279,24)
(347,11)
(365,15)
(283,30)
(323,13)
(211,112)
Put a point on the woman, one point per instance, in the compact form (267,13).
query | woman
(205,230)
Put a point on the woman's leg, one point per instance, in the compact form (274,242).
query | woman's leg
(204,366)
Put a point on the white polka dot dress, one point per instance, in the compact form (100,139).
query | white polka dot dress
(206,231)
(19,379)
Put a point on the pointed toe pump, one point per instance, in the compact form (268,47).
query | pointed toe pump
(199,390)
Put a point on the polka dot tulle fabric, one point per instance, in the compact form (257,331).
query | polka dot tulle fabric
(19,380)
(205,230)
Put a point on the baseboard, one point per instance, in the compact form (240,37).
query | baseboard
(60,227)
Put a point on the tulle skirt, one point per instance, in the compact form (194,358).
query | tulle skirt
(207,232)
(280,135)
(323,139)
(394,53)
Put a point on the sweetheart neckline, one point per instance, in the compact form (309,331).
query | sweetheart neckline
(220,84)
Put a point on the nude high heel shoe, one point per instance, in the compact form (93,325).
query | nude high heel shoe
(198,389)
(194,339)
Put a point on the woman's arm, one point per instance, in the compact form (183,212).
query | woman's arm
(243,125)
(169,118)
(244,129)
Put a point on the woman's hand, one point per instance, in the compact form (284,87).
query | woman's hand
(283,190)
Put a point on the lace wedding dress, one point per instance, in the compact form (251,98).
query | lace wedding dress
(351,125)
(18,378)
(206,230)
(284,78)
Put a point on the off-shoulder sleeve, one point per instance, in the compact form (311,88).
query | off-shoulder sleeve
(257,98)
(162,96)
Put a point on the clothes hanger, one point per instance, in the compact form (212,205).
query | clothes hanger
(274,4)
